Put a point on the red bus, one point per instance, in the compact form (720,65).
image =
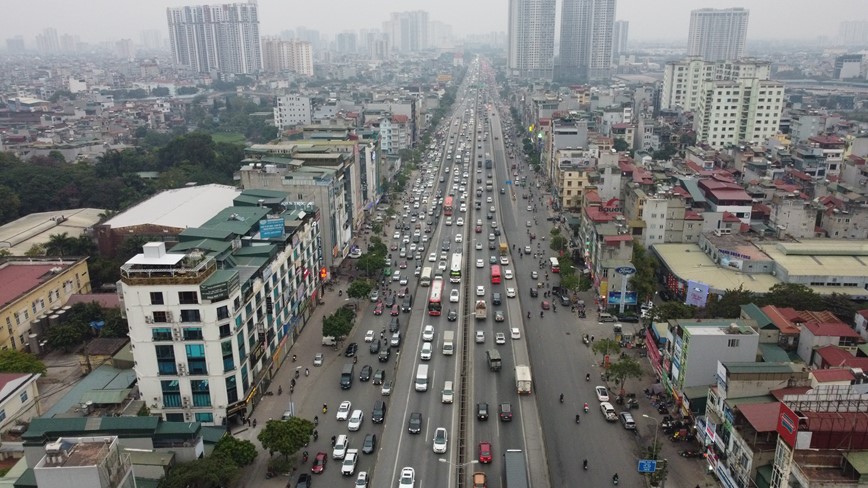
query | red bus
(495,274)
(447,206)
(555,265)
(435,299)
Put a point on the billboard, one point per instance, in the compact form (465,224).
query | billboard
(615,298)
(788,425)
(696,294)
(271,228)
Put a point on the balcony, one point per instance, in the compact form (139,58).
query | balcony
(187,272)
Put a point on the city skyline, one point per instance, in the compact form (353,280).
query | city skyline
(120,19)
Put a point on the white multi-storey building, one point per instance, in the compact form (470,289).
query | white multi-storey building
(97,462)
(747,110)
(292,110)
(280,56)
(212,318)
(684,80)
(620,30)
(531,38)
(717,34)
(586,39)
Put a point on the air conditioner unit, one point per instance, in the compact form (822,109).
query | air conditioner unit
(186,402)
(176,334)
(149,320)
(182,369)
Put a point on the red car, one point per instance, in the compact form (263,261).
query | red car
(545,305)
(395,310)
(378,310)
(319,463)
(478,229)
(484,452)
(402,265)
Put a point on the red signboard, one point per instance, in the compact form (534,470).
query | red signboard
(788,425)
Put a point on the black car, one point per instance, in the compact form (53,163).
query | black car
(452,315)
(369,444)
(505,412)
(378,414)
(375,347)
(496,298)
(385,352)
(365,374)
(446,245)
(482,411)
(632,318)
(394,325)
(533,292)
(414,425)
(407,304)
(497,232)
(304,481)
(379,377)
(351,350)
(390,301)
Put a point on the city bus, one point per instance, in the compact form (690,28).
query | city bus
(455,268)
(555,265)
(435,298)
(425,277)
(447,206)
(495,274)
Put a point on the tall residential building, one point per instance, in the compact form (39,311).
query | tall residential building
(531,38)
(151,39)
(216,38)
(408,31)
(717,34)
(683,81)
(732,112)
(586,40)
(853,33)
(279,56)
(48,41)
(346,42)
(619,38)
(290,110)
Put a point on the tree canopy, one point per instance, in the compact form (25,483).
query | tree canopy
(286,436)
(14,361)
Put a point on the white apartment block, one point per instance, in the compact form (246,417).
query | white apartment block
(95,462)
(281,56)
(216,38)
(684,80)
(531,31)
(717,34)
(733,111)
(394,134)
(212,318)
(291,110)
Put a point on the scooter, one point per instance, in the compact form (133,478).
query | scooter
(586,408)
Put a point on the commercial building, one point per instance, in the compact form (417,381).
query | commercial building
(717,34)
(571,175)
(291,110)
(213,318)
(531,45)
(281,56)
(34,289)
(586,39)
(85,461)
(216,38)
(18,396)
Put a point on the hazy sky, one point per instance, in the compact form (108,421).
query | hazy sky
(98,20)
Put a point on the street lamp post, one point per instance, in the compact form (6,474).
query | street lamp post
(656,429)
(458,466)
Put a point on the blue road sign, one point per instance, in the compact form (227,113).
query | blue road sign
(647,465)
(508,182)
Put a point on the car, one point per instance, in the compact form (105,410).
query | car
(454,296)
(394,324)
(602,393)
(348,467)
(452,315)
(369,445)
(432,257)
(404,280)
(386,390)
(441,266)
(489,200)
(507,274)
(491,237)
(396,275)
(480,336)
(534,275)
(529,223)
(374,348)
(417,271)
(395,310)
(480,291)
(545,305)
(365,373)
(484,452)
(478,229)
(317,359)
(478,245)
(608,411)
(403,264)
(402,292)
(510,292)
(499,316)
(379,377)
(374,295)
(459,238)
(440,440)
(514,333)
(378,413)
(500,338)
(527,250)
(480,263)
(319,463)
(351,350)
(414,424)
(504,411)
(627,420)
(504,260)
(459,221)
(303,481)
(426,352)
(344,410)
(482,411)
(534,292)
(362,480)
(369,336)
(354,423)
(480,480)
(395,341)
(378,309)
(390,301)
(428,333)
(530,208)
(407,479)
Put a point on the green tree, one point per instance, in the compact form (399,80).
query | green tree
(558,243)
(620,145)
(643,281)
(285,436)
(372,263)
(10,204)
(793,295)
(606,346)
(673,310)
(842,306)
(187,90)
(336,326)
(66,336)
(35,250)
(241,452)
(625,368)
(359,289)
(14,361)
(214,471)
(160,91)
(377,228)
(60,245)
(115,325)
(729,304)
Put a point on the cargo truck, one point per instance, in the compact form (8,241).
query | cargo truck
(448,342)
(493,359)
(504,249)
(481,310)
(523,382)
(514,469)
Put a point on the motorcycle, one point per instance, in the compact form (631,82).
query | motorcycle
(586,408)
(687,453)
(586,340)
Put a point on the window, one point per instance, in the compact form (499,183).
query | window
(23,396)
(242,351)
(222,312)
(732,343)
(161,334)
(228,359)
(166,359)
(171,393)
(174,417)
(161,317)
(201,393)
(192,333)
(245,384)
(188,297)
(204,417)
(156,298)
(196,363)
(231,389)
(190,315)
(225,330)
(2,415)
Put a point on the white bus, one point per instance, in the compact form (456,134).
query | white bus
(425,277)
(455,269)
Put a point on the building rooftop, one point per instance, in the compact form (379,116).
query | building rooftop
(833,258)
(37,228)
(179,208)
(688,262)
(763,417)
(762,368)
(20,277)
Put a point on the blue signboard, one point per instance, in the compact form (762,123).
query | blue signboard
(647,465)
(615,298)
(270,228)
(508,182)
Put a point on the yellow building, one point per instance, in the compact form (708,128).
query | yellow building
(34,289)
(571,169)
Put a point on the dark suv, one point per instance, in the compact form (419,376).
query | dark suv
(385,352)
(394,325)
(505,412)
(496,298)
(379,412)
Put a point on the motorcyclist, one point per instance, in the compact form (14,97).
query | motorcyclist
(541,314)
(562,398)
(588,377)
(615,478)
(585,464)
(528,314)
(325,408)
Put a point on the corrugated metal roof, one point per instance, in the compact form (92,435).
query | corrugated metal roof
(179,208)
(106,397)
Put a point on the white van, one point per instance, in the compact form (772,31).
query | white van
(425,355)
(447,393)
(422,378)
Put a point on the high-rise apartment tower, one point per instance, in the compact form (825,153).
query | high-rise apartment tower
(531,38)
(216,38)
(717,34)
(586,40)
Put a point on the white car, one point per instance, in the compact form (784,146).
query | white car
(459,238)
(348,467)
(397,235)
(355,421)
(514,333)
(504,260)
(488,200)
(369,336)
(453,296)
(480,263)
(440,440)
(407,478)
(432,257)
(478,245)
(425,353)
(500,338)
(480,291)
(344,410)
(510,293)
(608,411)
(602,393)
(362,480)
(507,274)
(428,333)
(441,265)
(459,221)
(480,336)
